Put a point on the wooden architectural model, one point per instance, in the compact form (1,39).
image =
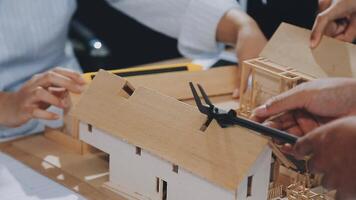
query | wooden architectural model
(173,84)
(157,150)
(287,61)
(153,136)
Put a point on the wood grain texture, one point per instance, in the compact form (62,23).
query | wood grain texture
(290,46)
(170,129)
(82,174)
(218,81)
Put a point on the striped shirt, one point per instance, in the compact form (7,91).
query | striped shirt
(34,35)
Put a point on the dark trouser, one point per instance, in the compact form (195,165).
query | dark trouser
(269,16)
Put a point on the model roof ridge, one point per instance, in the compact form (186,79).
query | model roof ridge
(148,120)
(290,47)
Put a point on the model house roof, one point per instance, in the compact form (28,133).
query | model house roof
(170,129)
(290,47)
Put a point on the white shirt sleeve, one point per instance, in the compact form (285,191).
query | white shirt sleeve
(192,22)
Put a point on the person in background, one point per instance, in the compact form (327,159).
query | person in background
(34,39)
(322,112)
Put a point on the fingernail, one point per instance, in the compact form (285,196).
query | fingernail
(80,88)
(312,44)
(65,103)
(260,111)
(267,123)
(236,93)
(81,79)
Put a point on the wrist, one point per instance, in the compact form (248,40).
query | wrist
(231,24)
(5,107)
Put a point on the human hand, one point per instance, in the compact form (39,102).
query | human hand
(332,150)
(324,98)
(36,95)
(239,29)
(250,43)
(307,106)
(336,19)
(298,123)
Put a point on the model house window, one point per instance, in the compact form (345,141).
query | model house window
(90,128)
(249,186)
(161,184)
(138,151)
(128,90)
(175,168)
(164,190)
(157,184)
(272,172)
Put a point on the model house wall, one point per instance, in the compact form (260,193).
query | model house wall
(138,174)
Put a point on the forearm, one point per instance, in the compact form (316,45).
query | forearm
(230,24)
(192,22)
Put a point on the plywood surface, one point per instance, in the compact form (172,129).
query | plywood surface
(218,81)
(170,129)
(82,174)
(290,46)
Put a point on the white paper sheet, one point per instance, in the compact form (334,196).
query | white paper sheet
(19,182)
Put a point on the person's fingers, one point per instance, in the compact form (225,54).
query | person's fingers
(350,32)
(287,149)
(342,195)
(305,121)
(41,95)
(315,164)
(54,79)
(71,74)
(329,181)
(42,114)
(321,22)
(236,93)
(58,92)
(324,4)
(62,94)
(282,122)
(306,145)
(295,130)
(334,12)
(331,29)
(284,102)
(335,29)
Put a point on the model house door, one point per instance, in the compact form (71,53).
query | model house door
(161,189)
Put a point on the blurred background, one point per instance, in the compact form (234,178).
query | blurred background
(97,43)
(103,37)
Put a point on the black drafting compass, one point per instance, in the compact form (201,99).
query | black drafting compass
(229,118)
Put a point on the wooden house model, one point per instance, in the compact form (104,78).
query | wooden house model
(287,61)
(173,84)
(158,151)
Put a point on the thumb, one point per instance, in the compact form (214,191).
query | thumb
(307,145)
(318,29)
(304,147)
(338,10)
